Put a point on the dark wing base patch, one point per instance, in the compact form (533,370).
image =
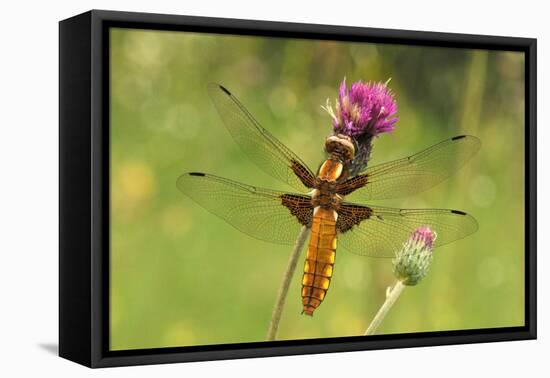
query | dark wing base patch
(303,173)
(351,215)
(300,207)
(352,184)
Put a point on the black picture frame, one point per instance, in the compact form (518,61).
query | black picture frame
(84,188)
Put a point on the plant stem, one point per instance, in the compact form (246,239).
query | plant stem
(391,296)
(283,289)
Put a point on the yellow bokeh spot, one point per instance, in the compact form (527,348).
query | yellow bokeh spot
(179,334)
(133,187)
(136,181)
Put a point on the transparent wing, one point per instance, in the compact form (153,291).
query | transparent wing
(268,215)
(413,174)
(266,151)
(381,231)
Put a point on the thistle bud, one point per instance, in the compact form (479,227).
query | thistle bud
(412,261)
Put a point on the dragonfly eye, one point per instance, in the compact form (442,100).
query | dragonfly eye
(349,153)
(330,146)
(341,145)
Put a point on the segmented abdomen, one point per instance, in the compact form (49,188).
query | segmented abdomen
(319,263)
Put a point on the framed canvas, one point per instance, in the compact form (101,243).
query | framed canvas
(236,188)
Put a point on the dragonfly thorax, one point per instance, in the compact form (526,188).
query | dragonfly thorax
(325,198)
(326,183)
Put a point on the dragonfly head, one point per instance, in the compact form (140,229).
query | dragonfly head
(341,146)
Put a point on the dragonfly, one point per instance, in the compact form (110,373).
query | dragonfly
(330,202)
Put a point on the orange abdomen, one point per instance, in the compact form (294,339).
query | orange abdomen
(319,263)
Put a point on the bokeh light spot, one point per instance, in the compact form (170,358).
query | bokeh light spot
(490,272)
(483,191)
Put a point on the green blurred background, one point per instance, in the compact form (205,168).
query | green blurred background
(180,276)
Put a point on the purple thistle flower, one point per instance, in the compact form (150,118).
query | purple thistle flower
(362,112)
(364,108)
